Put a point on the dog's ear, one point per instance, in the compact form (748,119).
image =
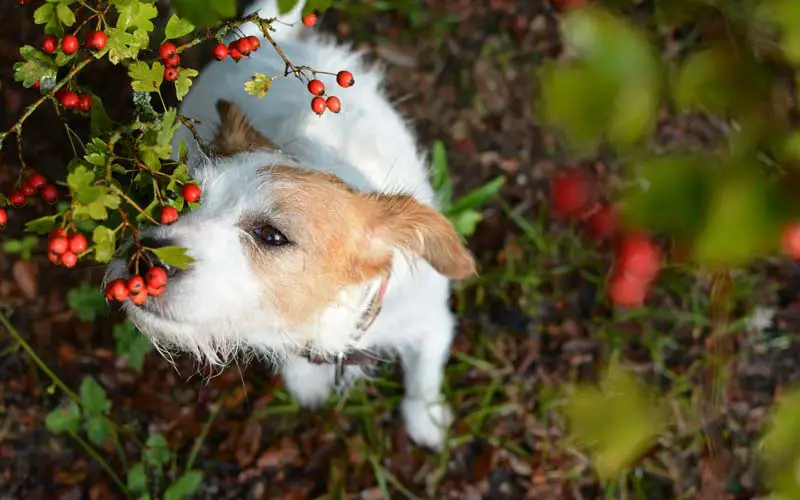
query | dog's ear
(235,134)
(399,221)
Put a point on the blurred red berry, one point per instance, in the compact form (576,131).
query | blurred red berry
(234,52)
(27,190)
(17,198)
(85,102)
(316,87)
(167,50)
(310,19)
(77,243)
(255,43)
(637,256)
(49,44)
(70,44)
(3,217)
(96,40)
(318,105)
(173,62)
(345,79)
(220,51)
(169,215)
(135,284)
(49,193)
(69,259)
(191,193)
(625,290)
(571,193)
(170,74)
(117,290)
(790,240)
(334,104)
(603,223)
(37,180)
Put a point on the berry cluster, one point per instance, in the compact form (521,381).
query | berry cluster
(137,288)
(319,103)
(168,53)
(95,40)
(637,260)
(36,183)
(63,248)
(237,49)
(73,100)
(169,214)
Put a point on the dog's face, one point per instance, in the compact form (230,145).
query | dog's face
(280,250)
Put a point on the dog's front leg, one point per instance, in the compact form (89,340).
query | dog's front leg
(425,411)
(310,384)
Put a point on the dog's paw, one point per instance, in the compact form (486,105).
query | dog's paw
(427,422)
(310,385)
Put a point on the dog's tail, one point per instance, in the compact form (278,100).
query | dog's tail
(289,24)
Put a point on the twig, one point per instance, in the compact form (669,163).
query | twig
(100,460)
(125,197)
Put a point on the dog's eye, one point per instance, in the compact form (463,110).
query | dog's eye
(271,236)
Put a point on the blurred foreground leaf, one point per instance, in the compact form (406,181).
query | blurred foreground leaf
(616,421)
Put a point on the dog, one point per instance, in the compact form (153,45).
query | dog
(317,242)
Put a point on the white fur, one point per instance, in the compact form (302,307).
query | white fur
(213,311)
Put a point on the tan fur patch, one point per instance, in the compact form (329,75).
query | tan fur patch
(343,238)
(235,134)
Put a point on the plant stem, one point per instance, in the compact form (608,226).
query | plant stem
(125,197)
(100,460)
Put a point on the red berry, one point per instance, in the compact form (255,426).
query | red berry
(235,54)
(316,87)
(173,62)
(77,243)
(139,298)
(54,258)
(36,84)
(60,93)
(318,105)
(70,100)
(220,51)
(37,180)
(334,104)
(49,193)
(22,2)
(571,193)
(85,102)
(345,79)
(58,245)
(96,40)
(69,259)
(167,50)
(49,44)
(255,43)
(17,198)
(57,233)
(169,215)
(156,277)
(790,240)
(3,217)
(170,74)
(155,292)
(638,257)
(310,19)
(117,290)
(191,193)
(625,290)
(28,190)
(565,5)
(603,223)
(70,44)
(135,284)
(243,44)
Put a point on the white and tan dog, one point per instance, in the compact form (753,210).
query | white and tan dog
(316,242)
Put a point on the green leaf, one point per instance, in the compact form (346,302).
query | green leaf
(744,220)
(99,122)
(203,13)
(65,14)
(156,452)
(285,6)
(779,449)
(104,240)
(616,421)
(146,78)
(259,84)
(137,478)
(465,222)
(186,486)
(87,301)
(704,82)
(477,198)
(42,225)
(46,14)
(37,66)
(682,182)
(184,82)
(131,344)
(323,5)
(173,256)
(64,419)
(122,45)
(93,396)
(177,27)
(158,143)
(12,246)
(136,16)
(784,14)
(98,429)
(98,209)
(440,178)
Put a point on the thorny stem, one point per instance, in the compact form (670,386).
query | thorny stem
(16,127)
(132,203)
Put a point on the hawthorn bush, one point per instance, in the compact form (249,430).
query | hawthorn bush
(629,68)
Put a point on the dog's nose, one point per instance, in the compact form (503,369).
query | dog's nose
(152,260)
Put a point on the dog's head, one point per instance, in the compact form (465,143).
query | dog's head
(285,256)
